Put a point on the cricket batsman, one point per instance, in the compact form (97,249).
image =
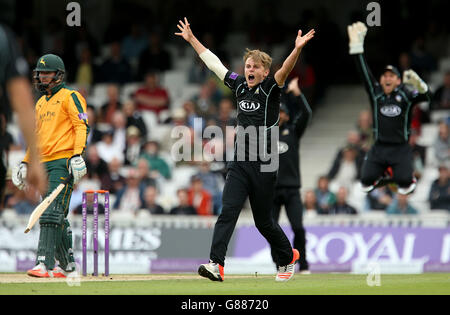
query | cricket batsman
(62,129)
(392,103)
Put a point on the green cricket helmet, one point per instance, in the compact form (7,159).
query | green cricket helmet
(48,63)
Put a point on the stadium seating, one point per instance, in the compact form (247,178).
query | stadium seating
(98,97)
(326,134)
(328,131)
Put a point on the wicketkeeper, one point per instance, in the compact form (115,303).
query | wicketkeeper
(62,130)
(392,103)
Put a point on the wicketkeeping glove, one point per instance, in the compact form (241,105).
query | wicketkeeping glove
(19,174)
(77,168)
(411,77)
(356,33)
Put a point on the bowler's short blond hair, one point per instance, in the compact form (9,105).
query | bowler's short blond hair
(259,56)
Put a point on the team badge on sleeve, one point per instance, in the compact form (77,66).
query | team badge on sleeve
(82,116)
(233,75)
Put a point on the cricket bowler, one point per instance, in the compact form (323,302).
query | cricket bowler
(62,129)
(258,105)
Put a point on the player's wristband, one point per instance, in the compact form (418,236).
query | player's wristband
(356,49)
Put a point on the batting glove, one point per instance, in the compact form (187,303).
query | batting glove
(411,77)
(19,174)
(77,168)
(356,33)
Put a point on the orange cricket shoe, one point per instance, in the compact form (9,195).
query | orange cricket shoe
(212,271)
(40,271)
(287,272)
(58,272)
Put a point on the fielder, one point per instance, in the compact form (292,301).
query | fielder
(391,104)
(288,185)
(62,130)
(15,90)
(258,99)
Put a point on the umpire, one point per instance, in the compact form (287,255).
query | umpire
(289,181)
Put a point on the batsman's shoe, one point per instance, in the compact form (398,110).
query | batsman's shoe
(40,271)
(58,272)
(212,271)
(287,272)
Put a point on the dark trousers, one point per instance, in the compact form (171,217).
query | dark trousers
(290,198)
(398,156)
(245,179)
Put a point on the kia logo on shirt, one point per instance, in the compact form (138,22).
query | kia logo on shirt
(248,106)
(391,110)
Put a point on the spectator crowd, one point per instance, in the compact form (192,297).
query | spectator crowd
(128,156)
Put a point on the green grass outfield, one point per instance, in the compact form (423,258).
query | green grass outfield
(430,283)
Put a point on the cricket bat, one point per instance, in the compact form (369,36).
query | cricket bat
(39,210)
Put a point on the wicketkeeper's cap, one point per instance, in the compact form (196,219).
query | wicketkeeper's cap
(392,69)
